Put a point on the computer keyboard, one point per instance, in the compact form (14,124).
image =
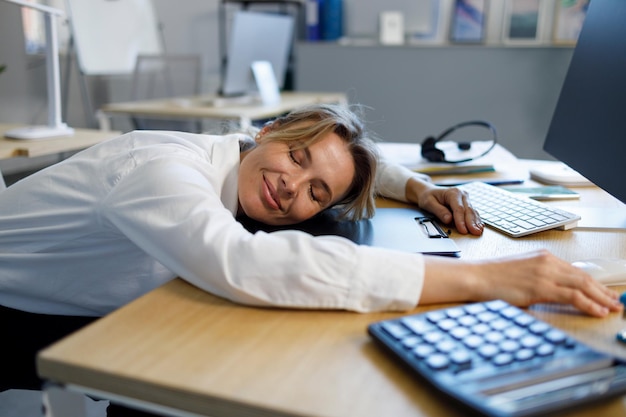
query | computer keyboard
(514,214)
(500,360)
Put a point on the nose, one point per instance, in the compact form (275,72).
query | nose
(289,186)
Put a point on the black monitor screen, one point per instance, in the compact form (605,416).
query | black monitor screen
(588,129)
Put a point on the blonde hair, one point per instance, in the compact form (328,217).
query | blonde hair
(308,125)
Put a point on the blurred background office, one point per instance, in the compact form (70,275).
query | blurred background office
(508,71)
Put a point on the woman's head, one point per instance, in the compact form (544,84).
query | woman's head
(312,159)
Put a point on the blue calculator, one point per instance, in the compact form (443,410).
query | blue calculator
(499,360)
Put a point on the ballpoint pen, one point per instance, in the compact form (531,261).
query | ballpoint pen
(621,335)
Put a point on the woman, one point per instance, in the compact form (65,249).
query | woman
(86,236)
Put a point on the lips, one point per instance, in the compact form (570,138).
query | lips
(271,197)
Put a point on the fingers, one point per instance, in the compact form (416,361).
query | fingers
(466,219)
(540,277)
(574,286)
(588,295)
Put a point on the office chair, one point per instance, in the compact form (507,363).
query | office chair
(164,76)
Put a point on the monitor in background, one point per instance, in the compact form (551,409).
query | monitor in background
(256,37)
(588,128)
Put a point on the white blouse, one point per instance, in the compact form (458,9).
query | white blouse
(97,230)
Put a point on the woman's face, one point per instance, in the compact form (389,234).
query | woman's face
(282,185)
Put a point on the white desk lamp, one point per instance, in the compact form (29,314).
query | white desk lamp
(55,126)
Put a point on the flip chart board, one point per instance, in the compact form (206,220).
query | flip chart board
(109,34)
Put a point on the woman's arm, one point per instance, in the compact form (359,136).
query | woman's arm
(449,204)
(522,280)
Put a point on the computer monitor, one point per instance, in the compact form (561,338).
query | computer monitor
(256,37)
(588,128)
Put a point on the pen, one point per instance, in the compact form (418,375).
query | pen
(621,335)
(490,182)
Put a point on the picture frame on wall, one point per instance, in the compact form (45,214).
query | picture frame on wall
(569,16)
(524,21)
(468,23)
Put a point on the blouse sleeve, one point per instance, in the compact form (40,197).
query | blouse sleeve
(173,212)
(391,180)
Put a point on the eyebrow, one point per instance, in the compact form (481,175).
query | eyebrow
(308,156)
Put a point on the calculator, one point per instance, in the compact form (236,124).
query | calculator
(499,360)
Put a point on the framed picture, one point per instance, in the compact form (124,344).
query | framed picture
(524,21)
(468,21)
(569,16)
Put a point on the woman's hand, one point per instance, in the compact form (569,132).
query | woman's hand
(449,204)
(521,280)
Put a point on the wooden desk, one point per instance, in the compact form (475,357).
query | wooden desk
(82,138)
(181,348)
(203,108)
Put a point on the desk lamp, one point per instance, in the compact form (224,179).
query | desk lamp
(55,126)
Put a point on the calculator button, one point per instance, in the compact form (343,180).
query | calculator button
(502,359)
(459,332)
(435,316)
(417,325)
(511,312)
(395,329)
(475,308)
(500,324)
(556,336)
(545,349)
(524,354)
(487,316)
(467,321)
(460,358)
(411,341)
(447,324)
(496,305)
(514,332)
(423,351)
(539,327)
(473,341)
(509,346)
(446,346)
(488,351)
(524,320)
(481,328)
(530,341)
(438,361)
(433,337)
(494,337)
(455,312)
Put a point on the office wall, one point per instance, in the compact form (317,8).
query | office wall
(413,92)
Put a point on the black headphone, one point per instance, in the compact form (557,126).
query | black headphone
(433,154)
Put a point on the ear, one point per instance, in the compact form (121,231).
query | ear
(267,127)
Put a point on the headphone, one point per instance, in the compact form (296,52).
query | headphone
(433,154)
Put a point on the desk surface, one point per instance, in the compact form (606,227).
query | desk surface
(183,348)
(82,138)
(202,107)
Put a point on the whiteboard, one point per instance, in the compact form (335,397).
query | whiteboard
(109,34)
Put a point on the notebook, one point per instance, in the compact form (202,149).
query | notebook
(406,229)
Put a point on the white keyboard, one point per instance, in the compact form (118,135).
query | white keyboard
(514,214)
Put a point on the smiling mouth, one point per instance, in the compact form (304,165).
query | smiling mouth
(270,195)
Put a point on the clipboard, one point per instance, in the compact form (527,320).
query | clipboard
(405,229)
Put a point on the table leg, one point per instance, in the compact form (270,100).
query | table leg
(59,402)
(104,122)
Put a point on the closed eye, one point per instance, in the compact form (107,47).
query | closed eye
(299,157)
(292,157)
